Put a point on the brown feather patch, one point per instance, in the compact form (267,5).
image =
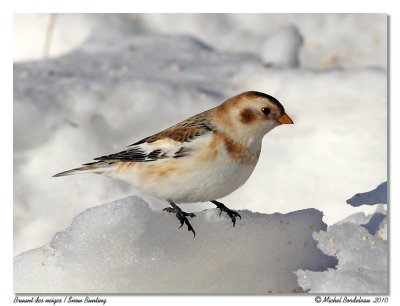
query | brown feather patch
(235,150)
(186,130)
(222,115)
(161,171)
(180,135)
(247,116)
(238,152)
(211,151)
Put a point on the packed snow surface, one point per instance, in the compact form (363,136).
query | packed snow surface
(126,247)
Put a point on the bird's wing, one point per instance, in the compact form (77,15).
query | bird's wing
(174,142)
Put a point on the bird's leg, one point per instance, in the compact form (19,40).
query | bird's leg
(231,213)
(181,215)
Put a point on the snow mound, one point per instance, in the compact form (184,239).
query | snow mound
(282,47)
(125,247)
(362,266)
(376,196)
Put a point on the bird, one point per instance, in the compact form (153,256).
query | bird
(201,159)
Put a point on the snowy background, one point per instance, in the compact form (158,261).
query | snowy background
(88,85)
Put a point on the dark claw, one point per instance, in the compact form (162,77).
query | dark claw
(169,209)
(181,215)
(231,213)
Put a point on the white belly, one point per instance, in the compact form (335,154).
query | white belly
(210,182)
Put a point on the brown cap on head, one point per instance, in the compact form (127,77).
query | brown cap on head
(257,94)
(284,118)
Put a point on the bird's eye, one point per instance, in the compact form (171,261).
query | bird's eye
(266,110)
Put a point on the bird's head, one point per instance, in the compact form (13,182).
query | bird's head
(251,115)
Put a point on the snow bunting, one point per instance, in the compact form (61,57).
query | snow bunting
(200,159)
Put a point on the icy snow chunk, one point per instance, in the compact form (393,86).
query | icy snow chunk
(357,218)
(362,266)
(376,196)
(282,47)
(126,247)
(372,223)
(382,229)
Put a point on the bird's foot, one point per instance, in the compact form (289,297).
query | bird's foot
(231,213)
(181,215)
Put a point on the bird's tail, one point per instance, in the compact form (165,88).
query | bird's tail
(95,167)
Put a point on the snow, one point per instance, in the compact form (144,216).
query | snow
(362,266)
(331,40)
(360,244)
(125,247)
(70,31)
(282,47)
(110,80)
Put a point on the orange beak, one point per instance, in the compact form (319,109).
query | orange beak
(284,119)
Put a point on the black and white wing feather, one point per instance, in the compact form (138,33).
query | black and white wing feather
(173,142)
